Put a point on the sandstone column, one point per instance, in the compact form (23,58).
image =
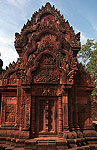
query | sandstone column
(33,117)
(18,118)
(65,111)
(71,110)
(60,120)
(75,109)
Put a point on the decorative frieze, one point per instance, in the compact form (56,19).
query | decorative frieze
(42,93)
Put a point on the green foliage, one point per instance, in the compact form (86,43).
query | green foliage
(92,64)
(94,93)
(88,56)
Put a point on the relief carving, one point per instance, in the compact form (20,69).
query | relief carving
(47,67)
(9,117)
(45,91)
(47,76)
(47,30)
(10,113)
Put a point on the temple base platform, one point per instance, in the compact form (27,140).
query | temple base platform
(48,143)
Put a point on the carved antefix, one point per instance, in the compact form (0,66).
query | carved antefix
(46,92)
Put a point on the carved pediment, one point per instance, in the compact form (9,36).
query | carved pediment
(47,71)
(47,33)
(46,20)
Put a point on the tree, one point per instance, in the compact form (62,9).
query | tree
(88,56)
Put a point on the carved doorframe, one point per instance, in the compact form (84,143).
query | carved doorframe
(49,90)
(46,115)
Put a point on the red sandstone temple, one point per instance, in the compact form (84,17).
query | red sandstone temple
(46,94)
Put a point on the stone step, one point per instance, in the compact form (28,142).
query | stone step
(9,148)
(25,144)
(81,148)
(19,148)
(87,147)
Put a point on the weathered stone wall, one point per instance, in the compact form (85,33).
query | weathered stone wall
(94,110)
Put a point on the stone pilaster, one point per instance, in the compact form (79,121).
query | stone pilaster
(60,115)
(27,109)
(70,112)
(32,117)
(76,126)
(18,120)
(3,107)
(46,116)
(65,111)
(23,122)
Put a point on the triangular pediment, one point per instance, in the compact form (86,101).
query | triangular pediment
(47,33)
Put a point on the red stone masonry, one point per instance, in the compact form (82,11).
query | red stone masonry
(46,93)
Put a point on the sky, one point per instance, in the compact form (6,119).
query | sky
(81,14)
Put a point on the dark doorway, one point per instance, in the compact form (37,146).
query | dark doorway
(46,116)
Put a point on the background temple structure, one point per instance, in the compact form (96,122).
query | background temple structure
(46,94)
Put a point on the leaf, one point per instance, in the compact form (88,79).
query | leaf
(88,56)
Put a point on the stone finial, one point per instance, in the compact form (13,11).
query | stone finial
(48,5)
